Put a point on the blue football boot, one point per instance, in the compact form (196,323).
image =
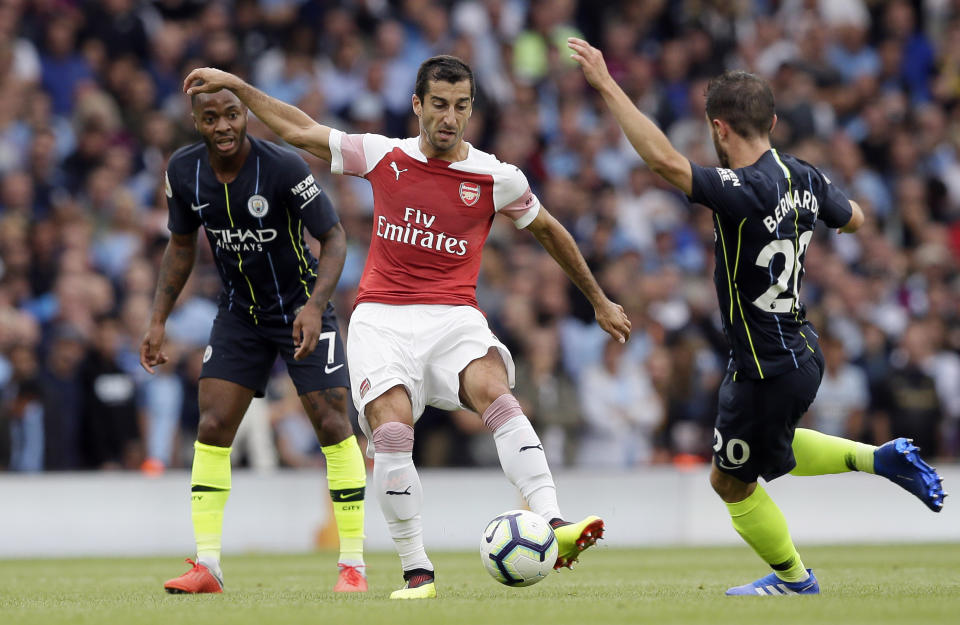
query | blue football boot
(899,461)
(771,585)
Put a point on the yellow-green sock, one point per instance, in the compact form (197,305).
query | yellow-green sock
(210,488)
(821,454)
(761,524)
(347,480)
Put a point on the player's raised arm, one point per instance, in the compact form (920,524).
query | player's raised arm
(290,123)
(175,268)
(647,139)
(557,241)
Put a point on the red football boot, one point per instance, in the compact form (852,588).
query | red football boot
(197,580)
(351,579)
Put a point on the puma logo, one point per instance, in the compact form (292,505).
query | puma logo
(393,165)
(526,447)
(400,492)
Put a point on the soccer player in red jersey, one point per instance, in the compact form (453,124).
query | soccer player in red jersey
(417,335)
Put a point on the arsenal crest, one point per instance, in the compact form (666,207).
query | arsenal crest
(469,193)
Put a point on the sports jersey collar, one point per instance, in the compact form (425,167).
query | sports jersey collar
(418,154)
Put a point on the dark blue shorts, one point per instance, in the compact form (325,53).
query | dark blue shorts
(756,420)
(242,352)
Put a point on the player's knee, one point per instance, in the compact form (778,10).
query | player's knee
(215,429)
(481,396)
(728,488)
(327,410)
(333,427)
(393,437)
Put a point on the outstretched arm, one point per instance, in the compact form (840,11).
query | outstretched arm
(290,123)
(648,140)
(557,241)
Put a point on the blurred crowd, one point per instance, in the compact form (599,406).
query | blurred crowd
(91,108)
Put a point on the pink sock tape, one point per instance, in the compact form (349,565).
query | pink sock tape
(500,411)
(392,437)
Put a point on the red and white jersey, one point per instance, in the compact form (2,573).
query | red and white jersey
(431,217)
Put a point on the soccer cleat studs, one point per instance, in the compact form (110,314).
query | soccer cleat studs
(899,461)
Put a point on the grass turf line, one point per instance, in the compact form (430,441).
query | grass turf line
(863,584)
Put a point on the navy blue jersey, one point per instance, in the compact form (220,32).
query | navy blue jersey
(254,225)
(764,216)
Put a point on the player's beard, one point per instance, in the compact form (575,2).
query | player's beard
(437,142)
(721,153)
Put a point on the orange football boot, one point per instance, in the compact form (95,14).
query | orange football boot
(197,580)
(351,579)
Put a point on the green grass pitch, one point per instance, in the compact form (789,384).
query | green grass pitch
(863,584)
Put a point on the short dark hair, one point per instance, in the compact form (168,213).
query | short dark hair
(194,96)
(743,100)
(446,68)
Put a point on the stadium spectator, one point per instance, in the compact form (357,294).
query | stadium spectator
(549,396)
(621,412)
(843,397)
(110,422)
(63,400)
(907,404)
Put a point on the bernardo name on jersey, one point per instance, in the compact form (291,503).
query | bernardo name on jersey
(790,203)
(764,217)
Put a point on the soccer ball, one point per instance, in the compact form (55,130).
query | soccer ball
(518,548)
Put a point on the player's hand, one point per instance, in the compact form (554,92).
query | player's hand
(306,330)
(150,353)
(210,81)
(590,60)
(613,320)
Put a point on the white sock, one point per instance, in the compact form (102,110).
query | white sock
(525,465)
(401,498)
(212,562)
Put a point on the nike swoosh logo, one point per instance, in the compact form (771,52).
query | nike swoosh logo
(196,208)
(343,496)
(526,447)
(329,369)
(493,532)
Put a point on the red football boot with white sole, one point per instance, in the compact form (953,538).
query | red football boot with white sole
(197,580)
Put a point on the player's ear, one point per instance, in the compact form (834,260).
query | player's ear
(417,105)
(773,124)
(717,126)
(723,129)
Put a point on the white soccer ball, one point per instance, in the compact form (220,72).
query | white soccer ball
(518,548)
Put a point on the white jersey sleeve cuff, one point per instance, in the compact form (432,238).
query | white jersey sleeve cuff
(527,218)
(336,154)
